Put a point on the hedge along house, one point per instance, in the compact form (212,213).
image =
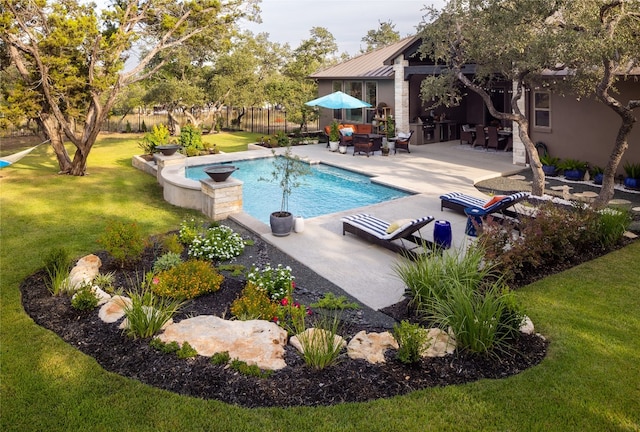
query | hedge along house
(583,129)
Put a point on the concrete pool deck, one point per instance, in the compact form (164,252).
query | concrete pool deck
(364,270)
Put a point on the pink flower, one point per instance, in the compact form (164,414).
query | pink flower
(284,301)
(156,281)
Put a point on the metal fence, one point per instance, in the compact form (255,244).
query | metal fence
(265,121)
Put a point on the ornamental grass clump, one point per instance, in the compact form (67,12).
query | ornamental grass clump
(187,280)
(321,345)
(612,225)
(218,243)
(277,281)
(148,313)
(57,264)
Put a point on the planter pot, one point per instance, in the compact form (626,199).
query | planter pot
(342,149)
(597,179)
(549,170)
(333,145)
(298,224)
(220,173)
(281,223)
(632,183)
(385,151)
(168,150)
(574,174)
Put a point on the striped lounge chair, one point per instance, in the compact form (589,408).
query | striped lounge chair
(497,205)
(399,236)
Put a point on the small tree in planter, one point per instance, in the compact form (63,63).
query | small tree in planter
(287,172)
(632,181)
(334,136)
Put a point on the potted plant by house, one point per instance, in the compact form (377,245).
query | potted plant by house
(573,169)
(334,136)
(549,164)
(632,181)
(597,174)
(287,172)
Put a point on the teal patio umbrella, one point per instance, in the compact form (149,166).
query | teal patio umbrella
(338,100)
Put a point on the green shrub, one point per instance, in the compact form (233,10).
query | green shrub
(482,321)
(290,315)
(556,236)
(171,243)
(123,241)
(57,264)
(412,339)
(84,298)
(235,269)
(187,280)
(217,243)
(330,301)
(190,138)
(221,358)
(148,313)
(254,303)
(276,282)
(186,351)
(190,229)
(249,370)
(166,262)
(105,281)
(159,135)
(320,347)
(167,348)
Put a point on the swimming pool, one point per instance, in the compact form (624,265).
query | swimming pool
(327,190)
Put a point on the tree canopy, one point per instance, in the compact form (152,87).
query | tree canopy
(384,35)
(67,62)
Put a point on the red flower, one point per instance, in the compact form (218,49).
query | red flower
(296,305)
(309,311)
(284,301)
(293,284)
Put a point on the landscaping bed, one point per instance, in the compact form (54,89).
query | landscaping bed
(295,385)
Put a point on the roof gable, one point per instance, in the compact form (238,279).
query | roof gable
(375,64)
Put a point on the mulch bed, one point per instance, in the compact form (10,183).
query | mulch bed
(295,385)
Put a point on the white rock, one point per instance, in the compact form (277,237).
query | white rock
(113,310)
(439,343)
(255,342)
(102,296)
(526,326)
(316,336)
(85,270)
(371,346)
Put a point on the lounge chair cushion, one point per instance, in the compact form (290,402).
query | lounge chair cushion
(378,227)
(458,200)
(397,224)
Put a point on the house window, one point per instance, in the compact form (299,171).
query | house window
(354,88)
(542,109)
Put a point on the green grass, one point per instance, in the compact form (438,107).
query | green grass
(590,380)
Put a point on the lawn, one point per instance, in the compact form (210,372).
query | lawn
(590,380)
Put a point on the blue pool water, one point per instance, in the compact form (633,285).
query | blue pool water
(327,190)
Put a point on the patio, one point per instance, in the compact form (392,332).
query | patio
(429,171)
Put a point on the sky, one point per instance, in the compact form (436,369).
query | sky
(290,21)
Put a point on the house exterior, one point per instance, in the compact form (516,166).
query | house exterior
(583,129)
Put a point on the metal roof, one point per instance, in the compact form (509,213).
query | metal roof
(374,64)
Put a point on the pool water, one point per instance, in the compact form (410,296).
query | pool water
(327,190)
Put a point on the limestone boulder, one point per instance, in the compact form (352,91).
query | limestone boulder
(439,342)
(113,310)
(527,326)
(371,346)
(85,270)
(256,342)
(315,336)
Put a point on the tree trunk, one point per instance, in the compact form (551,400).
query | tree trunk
(174,124)
(51,130)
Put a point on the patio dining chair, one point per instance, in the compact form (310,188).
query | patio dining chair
(481,138)
(402,142)
(494,140)
(467,135)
